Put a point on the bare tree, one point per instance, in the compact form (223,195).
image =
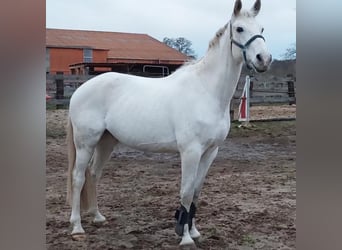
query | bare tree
(291,53)
(181,44)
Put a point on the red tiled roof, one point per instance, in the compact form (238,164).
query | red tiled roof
(120,45)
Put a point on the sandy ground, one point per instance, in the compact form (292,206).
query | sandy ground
(248,200)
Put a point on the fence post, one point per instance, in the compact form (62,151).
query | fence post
(59,88)
(248,82)
(291,92)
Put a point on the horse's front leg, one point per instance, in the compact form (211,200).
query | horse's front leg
(205,162)
(190,158)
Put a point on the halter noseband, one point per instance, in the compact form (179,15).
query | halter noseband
(245,46)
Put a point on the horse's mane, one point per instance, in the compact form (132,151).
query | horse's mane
(213,43)
(217,37)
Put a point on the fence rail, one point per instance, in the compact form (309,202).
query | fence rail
(268,92)
(60,87)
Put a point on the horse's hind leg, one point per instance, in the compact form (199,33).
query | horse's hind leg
(102,153)
(83,156)
(85,145)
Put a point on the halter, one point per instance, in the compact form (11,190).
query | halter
(241,46)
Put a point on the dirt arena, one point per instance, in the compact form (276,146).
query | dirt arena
(248,200)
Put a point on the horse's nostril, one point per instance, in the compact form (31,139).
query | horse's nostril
(258,56)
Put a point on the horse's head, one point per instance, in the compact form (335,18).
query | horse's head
(247,42)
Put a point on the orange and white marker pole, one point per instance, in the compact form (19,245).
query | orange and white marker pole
(244,115)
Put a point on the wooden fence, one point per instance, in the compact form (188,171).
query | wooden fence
(269,92)
(60,87)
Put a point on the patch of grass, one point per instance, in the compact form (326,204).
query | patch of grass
(248,240)
(264,128)
(50,106)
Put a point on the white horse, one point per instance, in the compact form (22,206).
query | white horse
(186,112)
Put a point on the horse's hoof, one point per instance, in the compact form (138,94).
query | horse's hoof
(79,236)
(187,243)
(99,220)
(195,234)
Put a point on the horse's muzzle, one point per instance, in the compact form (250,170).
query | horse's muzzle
(262,63)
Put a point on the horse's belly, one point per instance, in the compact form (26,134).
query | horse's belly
(145,141)
(143,131)
(161,147)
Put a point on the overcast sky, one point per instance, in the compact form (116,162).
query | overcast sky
(196,20)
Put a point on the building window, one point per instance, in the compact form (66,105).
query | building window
(47,60)
(87,55)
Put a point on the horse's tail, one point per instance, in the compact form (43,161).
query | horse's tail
(88,192)
(71,159)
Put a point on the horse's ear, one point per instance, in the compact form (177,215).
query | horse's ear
(256,8)
(237,7)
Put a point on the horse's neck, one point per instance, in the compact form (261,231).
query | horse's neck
(221,72)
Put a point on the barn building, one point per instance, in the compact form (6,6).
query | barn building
(82,52)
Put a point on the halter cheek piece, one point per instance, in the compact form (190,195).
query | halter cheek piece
(183,217)
(245,46)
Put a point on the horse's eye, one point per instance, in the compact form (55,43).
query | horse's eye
(262,30)
(239,29)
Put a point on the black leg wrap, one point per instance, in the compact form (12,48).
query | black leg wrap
(181,217)
(191,214)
